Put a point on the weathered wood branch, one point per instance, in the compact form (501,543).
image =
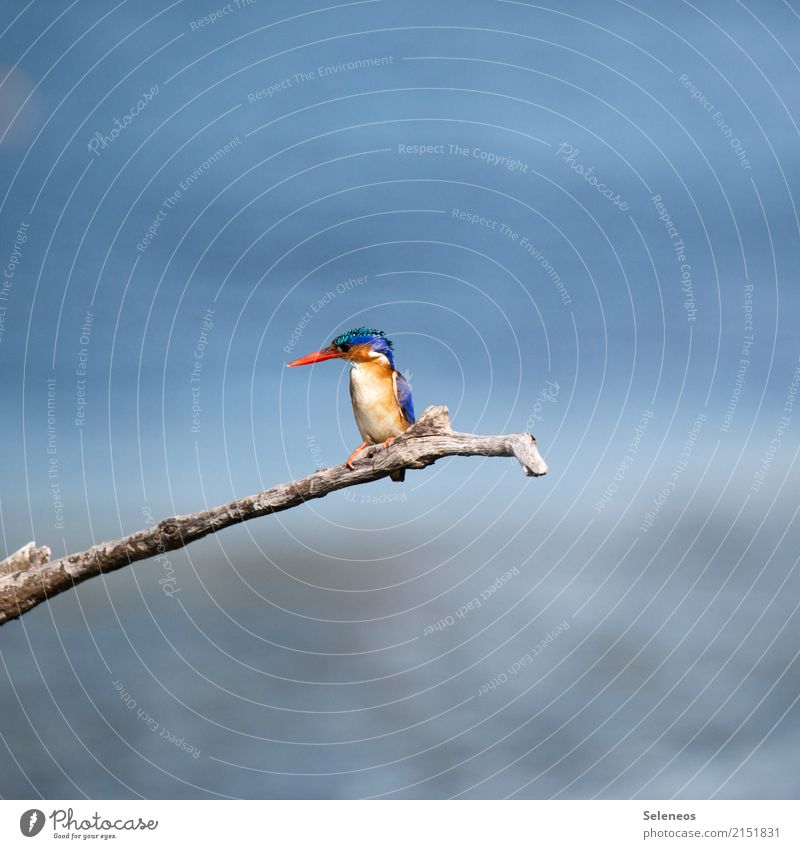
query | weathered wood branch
(28,577)
(28,555)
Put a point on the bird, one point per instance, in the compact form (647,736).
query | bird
(381,396)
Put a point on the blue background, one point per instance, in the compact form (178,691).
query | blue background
(296,656)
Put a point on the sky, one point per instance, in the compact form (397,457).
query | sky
(575,219)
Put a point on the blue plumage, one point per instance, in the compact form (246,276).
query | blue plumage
(376,339)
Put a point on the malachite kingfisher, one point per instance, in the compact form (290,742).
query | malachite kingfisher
(381,396)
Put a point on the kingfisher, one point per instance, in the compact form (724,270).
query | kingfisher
(381,396)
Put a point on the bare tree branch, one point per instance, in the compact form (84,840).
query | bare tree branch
(28,577)
(28,555)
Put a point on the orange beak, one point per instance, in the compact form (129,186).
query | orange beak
(316,357)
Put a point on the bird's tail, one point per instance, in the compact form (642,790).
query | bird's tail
(398,476)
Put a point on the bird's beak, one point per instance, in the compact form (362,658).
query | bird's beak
(316,357)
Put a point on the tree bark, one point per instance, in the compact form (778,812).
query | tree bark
(28,577)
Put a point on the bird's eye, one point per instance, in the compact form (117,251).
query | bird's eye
(344,347)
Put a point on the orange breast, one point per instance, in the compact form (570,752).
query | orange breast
(375,406)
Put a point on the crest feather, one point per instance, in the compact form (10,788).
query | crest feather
(359,335)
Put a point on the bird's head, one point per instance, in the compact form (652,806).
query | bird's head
(359,345)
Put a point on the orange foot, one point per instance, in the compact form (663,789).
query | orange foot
(388,442)
(349,461)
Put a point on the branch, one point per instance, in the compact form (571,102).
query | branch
(28,577)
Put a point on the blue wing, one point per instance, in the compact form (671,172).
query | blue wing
(403,393)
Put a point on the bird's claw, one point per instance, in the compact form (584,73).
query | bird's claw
(349,461)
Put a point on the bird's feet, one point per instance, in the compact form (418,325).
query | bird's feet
(349,461)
